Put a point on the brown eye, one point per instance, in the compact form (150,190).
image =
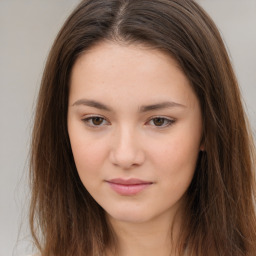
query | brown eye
(159,121)
(97,120)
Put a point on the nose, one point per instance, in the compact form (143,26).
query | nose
(126,151)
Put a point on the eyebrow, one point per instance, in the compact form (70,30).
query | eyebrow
(142,109)
(162,105)
(92,103)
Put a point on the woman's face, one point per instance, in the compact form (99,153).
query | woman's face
(135,129)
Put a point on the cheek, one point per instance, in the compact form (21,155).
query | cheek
(89,159)
(175,161)
(177,152)
(89,155)
(86,157)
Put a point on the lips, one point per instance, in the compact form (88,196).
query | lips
(129,186)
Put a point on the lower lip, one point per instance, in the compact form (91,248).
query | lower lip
(129,189)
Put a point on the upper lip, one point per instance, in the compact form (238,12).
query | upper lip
(129,181)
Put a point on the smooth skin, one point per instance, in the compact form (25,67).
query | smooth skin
(133,114)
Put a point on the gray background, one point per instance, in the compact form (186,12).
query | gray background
(27,30)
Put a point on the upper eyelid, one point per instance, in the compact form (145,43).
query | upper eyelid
(88,116)
(162,116)
(151,117)
(159,116)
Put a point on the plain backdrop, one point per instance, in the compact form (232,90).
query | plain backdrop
(27,30)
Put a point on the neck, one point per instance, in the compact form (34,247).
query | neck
(149,238)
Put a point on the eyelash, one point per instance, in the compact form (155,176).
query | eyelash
(168,122)
(89,121)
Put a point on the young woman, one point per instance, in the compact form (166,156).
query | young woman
(140,144)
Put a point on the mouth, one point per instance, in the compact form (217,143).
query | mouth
(128,187)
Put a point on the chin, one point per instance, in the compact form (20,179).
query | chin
(129,216)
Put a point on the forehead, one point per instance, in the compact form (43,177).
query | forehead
(129,71)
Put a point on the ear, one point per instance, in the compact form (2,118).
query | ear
(202,146)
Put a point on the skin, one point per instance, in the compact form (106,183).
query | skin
(129,140)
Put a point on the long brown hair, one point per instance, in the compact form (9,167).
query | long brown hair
(220,210)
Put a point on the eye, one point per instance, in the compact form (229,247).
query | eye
(161,122)
(95,121)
